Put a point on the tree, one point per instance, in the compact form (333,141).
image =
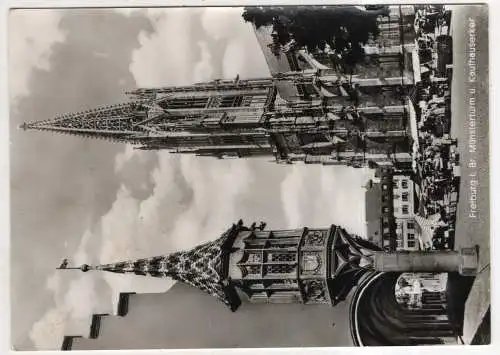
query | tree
(341,29)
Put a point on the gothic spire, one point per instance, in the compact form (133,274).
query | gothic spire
(121,122)
(202,267)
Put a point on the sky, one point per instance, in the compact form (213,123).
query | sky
(95,201)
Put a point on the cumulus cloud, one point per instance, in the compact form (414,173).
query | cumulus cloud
(81,256)
(49,330)
(70,315)
(223,22)
(217,186)
(164,55)
(31,39)
(133,229)
(292,196)
(74,304)
(53,283)
(203,70)
(338,196)
(343,196)
(123,157)
(79,301)
(138,228)
(242,54)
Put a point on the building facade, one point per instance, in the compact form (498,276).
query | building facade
(422,291)
(310,266)
(306,111)
(252,264)
(330,122)
(388,54)
(404,212)
(390,208)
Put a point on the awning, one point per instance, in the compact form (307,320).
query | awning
(336,140)
(427,226)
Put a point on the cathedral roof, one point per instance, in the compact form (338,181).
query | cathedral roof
(201,267)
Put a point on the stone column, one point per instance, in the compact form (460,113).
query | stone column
(464,261)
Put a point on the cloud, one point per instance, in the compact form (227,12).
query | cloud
(224,22)
(130,230)
(242,54)
(74,304)
(123,157)
(343,196)
(49,330)
(217,186)
(53,283)
(70,316)
(31,39)
(165,55)
(338,197)
(80,301)
(161,224)
(81,256)
(203,70)
(292,196)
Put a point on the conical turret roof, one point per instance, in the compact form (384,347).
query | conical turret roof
(203,267)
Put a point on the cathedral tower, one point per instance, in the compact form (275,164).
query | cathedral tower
(252,264)
(326,121)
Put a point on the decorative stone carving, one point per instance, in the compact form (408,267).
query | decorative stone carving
(311,263)
(314,291)
(315,238)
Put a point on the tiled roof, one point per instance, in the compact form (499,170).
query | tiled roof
(201,267)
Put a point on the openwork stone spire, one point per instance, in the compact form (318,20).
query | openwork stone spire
(121,122)
(306,116)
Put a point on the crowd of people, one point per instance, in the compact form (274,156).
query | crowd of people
(436,157)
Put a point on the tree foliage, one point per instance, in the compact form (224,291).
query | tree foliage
(344,29)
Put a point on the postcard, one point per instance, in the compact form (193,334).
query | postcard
(249,177)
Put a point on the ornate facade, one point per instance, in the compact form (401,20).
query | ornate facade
(307,111)
(329,121)
(251,264)
(305,266)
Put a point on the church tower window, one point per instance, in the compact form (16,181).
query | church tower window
(184,103)
(231,101)
(278,269)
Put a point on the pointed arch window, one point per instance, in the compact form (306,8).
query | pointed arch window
(184,103)
(231,101)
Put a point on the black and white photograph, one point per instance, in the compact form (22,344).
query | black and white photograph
(249,177)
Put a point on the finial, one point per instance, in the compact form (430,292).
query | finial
(65,263)
(85,267)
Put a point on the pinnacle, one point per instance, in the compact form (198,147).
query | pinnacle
(23,126)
